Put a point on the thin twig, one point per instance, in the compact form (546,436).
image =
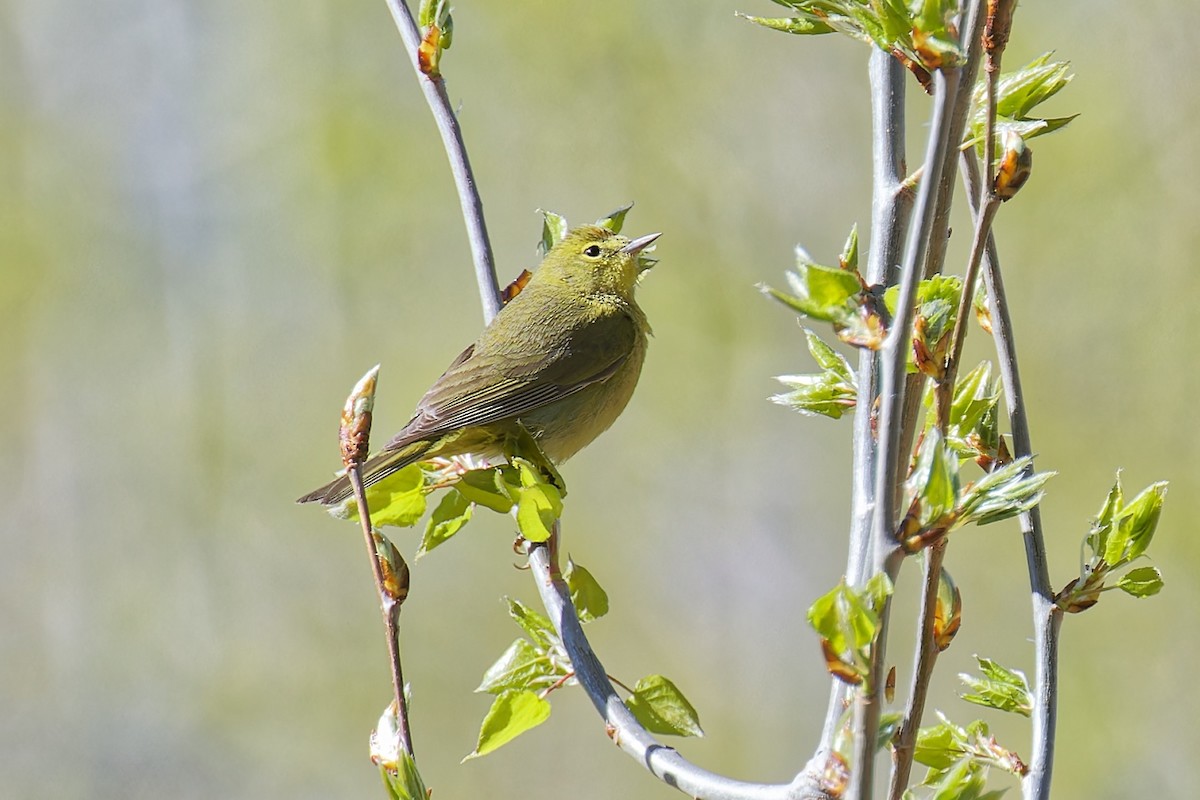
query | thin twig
(662,761)
(434,88)
(389,605)
(924,662)
(1046,616)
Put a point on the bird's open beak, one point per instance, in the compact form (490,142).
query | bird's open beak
(638,245)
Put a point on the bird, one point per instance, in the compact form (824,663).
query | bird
(561,360)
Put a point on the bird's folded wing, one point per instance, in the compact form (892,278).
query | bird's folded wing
(487,385)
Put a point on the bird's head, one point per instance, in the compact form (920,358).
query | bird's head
(592,259)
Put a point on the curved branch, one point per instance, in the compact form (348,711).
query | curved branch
(434,88)
(662,761)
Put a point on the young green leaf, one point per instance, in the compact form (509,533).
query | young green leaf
(932,486)
(453,512)
(661,708)
(1003,493)
(554,228)
(405,782)
(588,596)
(487,488)
(1141,582)
(398,499)
(534,624)
(999,687)
(512,713)
(521,666)
(537,511)
(1135,525)
(614,220)
(797,25)
(848,260)
(829,393)
(819,292)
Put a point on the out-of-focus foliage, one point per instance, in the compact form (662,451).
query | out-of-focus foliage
(214,217)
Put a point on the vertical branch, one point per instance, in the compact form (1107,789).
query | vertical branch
(389,605)
(1046,616)
(434,88)
(891,205)
(886,556)
(389,569)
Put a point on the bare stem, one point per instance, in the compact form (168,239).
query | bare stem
(389,605)
(926,658)
(434,88)
(1046,616)
(663,762)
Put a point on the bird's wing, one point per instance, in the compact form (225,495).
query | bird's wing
(492,382)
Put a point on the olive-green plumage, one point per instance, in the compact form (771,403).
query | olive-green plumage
(562,358)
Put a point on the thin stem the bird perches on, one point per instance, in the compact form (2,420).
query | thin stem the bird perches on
(1047,617)
(434,88)
(662,761)
(389,605)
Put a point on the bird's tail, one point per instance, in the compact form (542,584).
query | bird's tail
(373,471)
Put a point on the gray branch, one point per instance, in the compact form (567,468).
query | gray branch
(464,180)
(1046,616)
(662,761)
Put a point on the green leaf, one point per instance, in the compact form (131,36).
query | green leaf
(819,292)
(534,624)
(453,512)
(999,687)
(829,393)
(1141,582)
(933,481)
(938,746)
(487,488)
(588,596)
(539,505)
(615,220)
(661,708)
(829,359)
(521,666)
(398,499)
(554,228)
(1017,94)
(1134,527)
(1097,538)
(848,260)
(512,713)
(797,25)
(1003,493)
(405,783)
(847,618)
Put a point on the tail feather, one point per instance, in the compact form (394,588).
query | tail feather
(373,471)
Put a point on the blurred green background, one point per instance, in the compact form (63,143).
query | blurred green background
(215,216)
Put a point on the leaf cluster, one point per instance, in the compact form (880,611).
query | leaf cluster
(938,503)
(1119,535)
(919,33)
(537,664)
(847,621)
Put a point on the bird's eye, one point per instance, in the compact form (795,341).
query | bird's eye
(593,251)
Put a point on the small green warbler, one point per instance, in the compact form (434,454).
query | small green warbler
(562,359)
